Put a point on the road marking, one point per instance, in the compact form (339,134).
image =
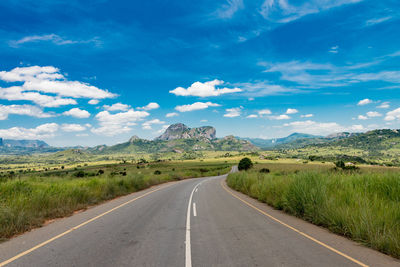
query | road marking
(188,250)
(77,227)
(194,210)
(294,229)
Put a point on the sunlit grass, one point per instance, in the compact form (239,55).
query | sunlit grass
(363,205)
(27,200)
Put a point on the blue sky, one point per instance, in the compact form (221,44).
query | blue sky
(97,72)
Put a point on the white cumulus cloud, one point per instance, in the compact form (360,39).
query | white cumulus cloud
(362,117)
(46,86)
(393,115)
(42,131)
(365,101)
(72,127)
(280,117)
(27,110)
(373,114)
(264,112)
(204,89)
(232,112)
(93,101)
(150,106)
(147,125)
(172,114)
(307,115)
(113,124)
(384,105)
(116,106)
(291,111)
(196,106)
(77,113)
(252,116)
(321,128)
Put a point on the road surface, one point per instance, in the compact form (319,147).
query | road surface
(195,222)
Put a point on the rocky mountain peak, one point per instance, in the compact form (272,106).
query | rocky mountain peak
(181,131)
(134,138)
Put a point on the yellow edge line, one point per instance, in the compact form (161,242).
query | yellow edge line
(76,227)
(294,229)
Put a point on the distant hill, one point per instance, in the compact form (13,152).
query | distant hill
(376,140)
(179,138)
(23,143)
(272,143)
(20,147)
(375,147)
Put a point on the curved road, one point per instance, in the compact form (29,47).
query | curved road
(154,227)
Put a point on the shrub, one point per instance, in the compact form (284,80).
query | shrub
(264,170)
(340,164)
(245,164)
(80,174)
(157,172)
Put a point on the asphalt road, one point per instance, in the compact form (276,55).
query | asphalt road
(195,222)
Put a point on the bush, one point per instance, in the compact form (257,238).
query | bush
(264,170)
(245,164)
(340,164)
(157,172)
(80,174)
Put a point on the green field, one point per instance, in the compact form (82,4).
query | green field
(363,205)
(28,199)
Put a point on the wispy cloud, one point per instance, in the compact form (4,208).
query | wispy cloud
(374,21)
(54,38)
(334,49)
(265,88)
(281,11)
(317,75)
(229,9)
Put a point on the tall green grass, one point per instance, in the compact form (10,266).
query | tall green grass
(28,200)
(364,206)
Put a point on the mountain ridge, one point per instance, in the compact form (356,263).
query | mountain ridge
(181,131)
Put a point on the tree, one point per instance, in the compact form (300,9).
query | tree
(245,164)
(340,164)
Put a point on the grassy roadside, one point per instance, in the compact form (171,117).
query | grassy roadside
(362,205)
(28,200)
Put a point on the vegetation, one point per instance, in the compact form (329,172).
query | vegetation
(27,200)
(245,164)
(362,205)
